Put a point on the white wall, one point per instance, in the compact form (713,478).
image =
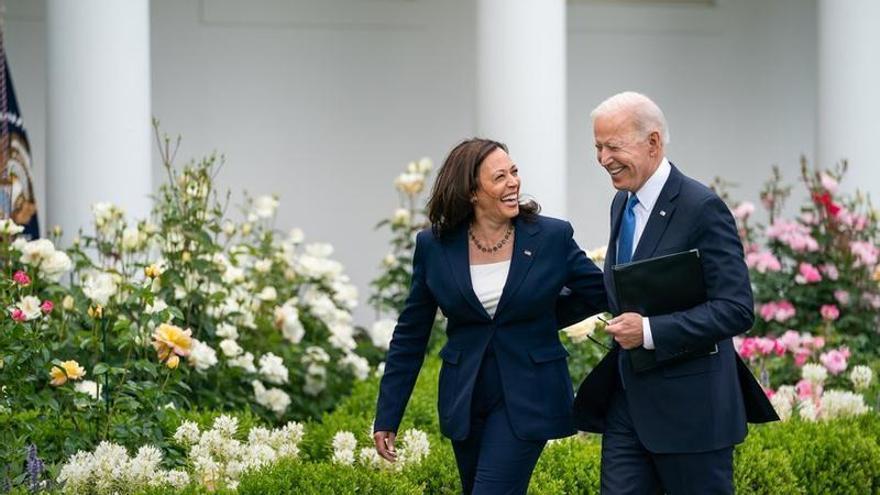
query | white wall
(737,82)
(324,101)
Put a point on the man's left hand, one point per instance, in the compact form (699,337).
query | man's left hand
(627,330)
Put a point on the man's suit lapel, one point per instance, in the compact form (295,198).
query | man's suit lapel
(662,212)
(455,248)
(617,205)
(525,249)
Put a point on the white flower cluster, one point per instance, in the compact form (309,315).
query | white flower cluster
(41,254)
(218,458)
(110,470)
(314,360)
(841,404)
(861,377)
(814,373)
(831,404)
(413,448)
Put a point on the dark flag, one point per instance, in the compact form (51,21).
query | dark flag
(17,200)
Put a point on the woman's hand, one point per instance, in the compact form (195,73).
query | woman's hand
(385,445)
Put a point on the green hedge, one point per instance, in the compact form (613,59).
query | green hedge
(839,457)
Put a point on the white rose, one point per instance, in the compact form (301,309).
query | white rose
(227,331)
(9,227)
(401,217)
(359,366)
(56,265)
(202,356)
(245,362)
(381,332)
(30,306)
(99,287)
(131,238)
(287,320)
(263,266)
(319,250)
(230,348)
(583,330)
(157,307)
(89,388)
(264,206)
(34,252)
(425,165)
(272,368)
(297,236)
(268,294)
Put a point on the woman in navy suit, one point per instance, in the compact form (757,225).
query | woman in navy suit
(495,268)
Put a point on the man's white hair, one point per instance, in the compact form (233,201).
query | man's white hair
(646,115)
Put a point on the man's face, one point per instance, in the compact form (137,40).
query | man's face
(627,156)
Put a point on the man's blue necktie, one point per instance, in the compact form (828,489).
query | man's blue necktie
(627,231)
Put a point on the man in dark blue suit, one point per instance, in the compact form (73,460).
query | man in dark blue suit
(671,428)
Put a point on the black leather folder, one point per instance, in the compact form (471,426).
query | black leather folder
(658,286)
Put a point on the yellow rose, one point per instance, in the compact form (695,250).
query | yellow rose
(96,311)
(173,361)
(68,370)
(171,342)
(152,271)
(67,303)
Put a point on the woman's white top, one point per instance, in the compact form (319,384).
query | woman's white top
(488,281)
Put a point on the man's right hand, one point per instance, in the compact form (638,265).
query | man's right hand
(385,445)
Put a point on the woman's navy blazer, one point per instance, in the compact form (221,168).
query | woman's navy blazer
(524,332)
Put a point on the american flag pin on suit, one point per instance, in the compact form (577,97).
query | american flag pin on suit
(527,252)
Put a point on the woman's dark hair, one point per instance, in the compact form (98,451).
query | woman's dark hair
(457,182)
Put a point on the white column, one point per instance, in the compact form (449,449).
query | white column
(99,139)
(849,99)
(521,91)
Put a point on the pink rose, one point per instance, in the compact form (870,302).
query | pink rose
(804,389)
(18,315)
(829,312)
(21,278)
(807,274)
(865,252)
(801,356)
(791,340)
(765,346)
(763,262)
(768,311)
(834,361)
(743,210)
(830,271)
(818,342)
(784,311)
(828,182)
(747,348)
(47,306)
(779,348)
(842,297)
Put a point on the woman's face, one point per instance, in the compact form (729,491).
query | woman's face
(497,195)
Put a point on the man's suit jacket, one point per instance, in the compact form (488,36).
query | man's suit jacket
(696,404)
(532,361)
